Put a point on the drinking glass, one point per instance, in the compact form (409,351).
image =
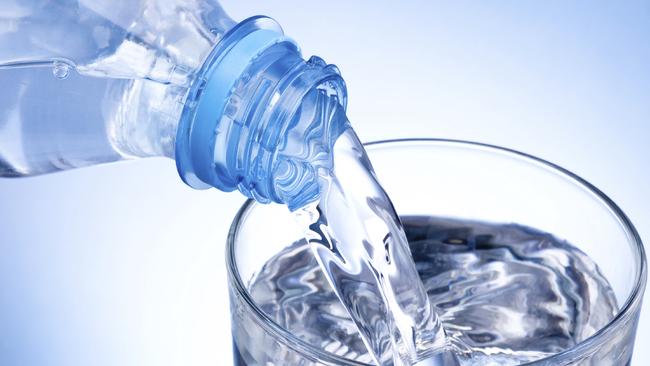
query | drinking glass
(471,181)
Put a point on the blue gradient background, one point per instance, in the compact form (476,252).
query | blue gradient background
(123,265)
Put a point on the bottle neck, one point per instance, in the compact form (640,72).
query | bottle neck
(261,119)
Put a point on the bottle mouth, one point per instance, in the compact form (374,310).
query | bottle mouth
(240,108)
(305,114)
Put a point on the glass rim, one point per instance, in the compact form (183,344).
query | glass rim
(293,342)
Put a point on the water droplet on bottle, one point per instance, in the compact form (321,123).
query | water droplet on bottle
(60,69)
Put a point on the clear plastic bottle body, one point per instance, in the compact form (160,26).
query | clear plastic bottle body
(87,82)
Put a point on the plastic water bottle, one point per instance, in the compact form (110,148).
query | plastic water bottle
(86,82)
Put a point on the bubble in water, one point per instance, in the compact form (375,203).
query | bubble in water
(60,69)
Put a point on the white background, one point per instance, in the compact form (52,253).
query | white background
(123,264)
